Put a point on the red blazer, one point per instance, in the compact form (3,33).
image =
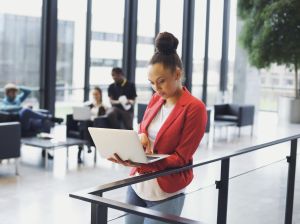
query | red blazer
(179,136)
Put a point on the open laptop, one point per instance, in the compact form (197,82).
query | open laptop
(125,143)
(81,113)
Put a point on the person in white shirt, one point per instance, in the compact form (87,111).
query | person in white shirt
(97,109)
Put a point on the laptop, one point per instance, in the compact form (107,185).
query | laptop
(81,113)
(125,143)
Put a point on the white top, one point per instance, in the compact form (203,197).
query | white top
(150,189)
(157,122)
(94,109)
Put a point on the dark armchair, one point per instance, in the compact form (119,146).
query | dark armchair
(79,129)
(6,116)
(10,135)
(207,129)
(141,110)
(242,115)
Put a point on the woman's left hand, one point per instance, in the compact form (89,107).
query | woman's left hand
(129,163)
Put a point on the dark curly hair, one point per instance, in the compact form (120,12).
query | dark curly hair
(165,51)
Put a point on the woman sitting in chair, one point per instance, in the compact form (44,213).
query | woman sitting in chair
(96,106)
(97,109)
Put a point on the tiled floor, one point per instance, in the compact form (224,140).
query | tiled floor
(40,195)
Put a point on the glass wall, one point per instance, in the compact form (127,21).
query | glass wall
(20,34)
(107,41)
(171,19)
(199,46)
(145,47)
(215,51)
(278,81)
(20,45)
(70,55)
(231,47)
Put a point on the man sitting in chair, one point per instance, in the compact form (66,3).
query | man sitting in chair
(32,122)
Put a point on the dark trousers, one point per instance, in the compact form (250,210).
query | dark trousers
(116,116)
(83,128)
(34,121)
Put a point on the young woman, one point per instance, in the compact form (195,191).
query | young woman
(96,106)
(97,109)
(174,123)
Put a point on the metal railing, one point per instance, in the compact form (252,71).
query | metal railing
(100,205)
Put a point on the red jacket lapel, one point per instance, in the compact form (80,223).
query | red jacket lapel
(153,110)
(178,109)
(151,113)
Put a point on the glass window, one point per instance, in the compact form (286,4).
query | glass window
(70,55)
(20,45)
(231,46)
(145,47)
(107,41)
(215,51)
(199,46)
(288,82)
(171,19)
(275,81)
(272,88)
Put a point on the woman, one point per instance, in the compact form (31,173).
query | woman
(96,106)
(174,123)
(97,109)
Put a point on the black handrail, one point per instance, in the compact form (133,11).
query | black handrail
(100,204)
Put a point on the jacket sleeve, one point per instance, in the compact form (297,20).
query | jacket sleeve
(24,94)
(192,133)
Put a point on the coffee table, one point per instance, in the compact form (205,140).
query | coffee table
(52,144)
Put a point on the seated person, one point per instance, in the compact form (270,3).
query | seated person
(31,121)
(122,94)
(97,109)
(96,106)
(12,101)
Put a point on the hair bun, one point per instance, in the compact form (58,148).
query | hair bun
(166,43)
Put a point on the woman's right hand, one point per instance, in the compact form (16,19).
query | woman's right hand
(117,159)
(145,143)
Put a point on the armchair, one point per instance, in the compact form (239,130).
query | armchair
(78,129)
(207,129)
(141,110)
(6,116)
(10,134)
(242,115)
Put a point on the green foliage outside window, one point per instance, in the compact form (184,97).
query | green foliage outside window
(271,33)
